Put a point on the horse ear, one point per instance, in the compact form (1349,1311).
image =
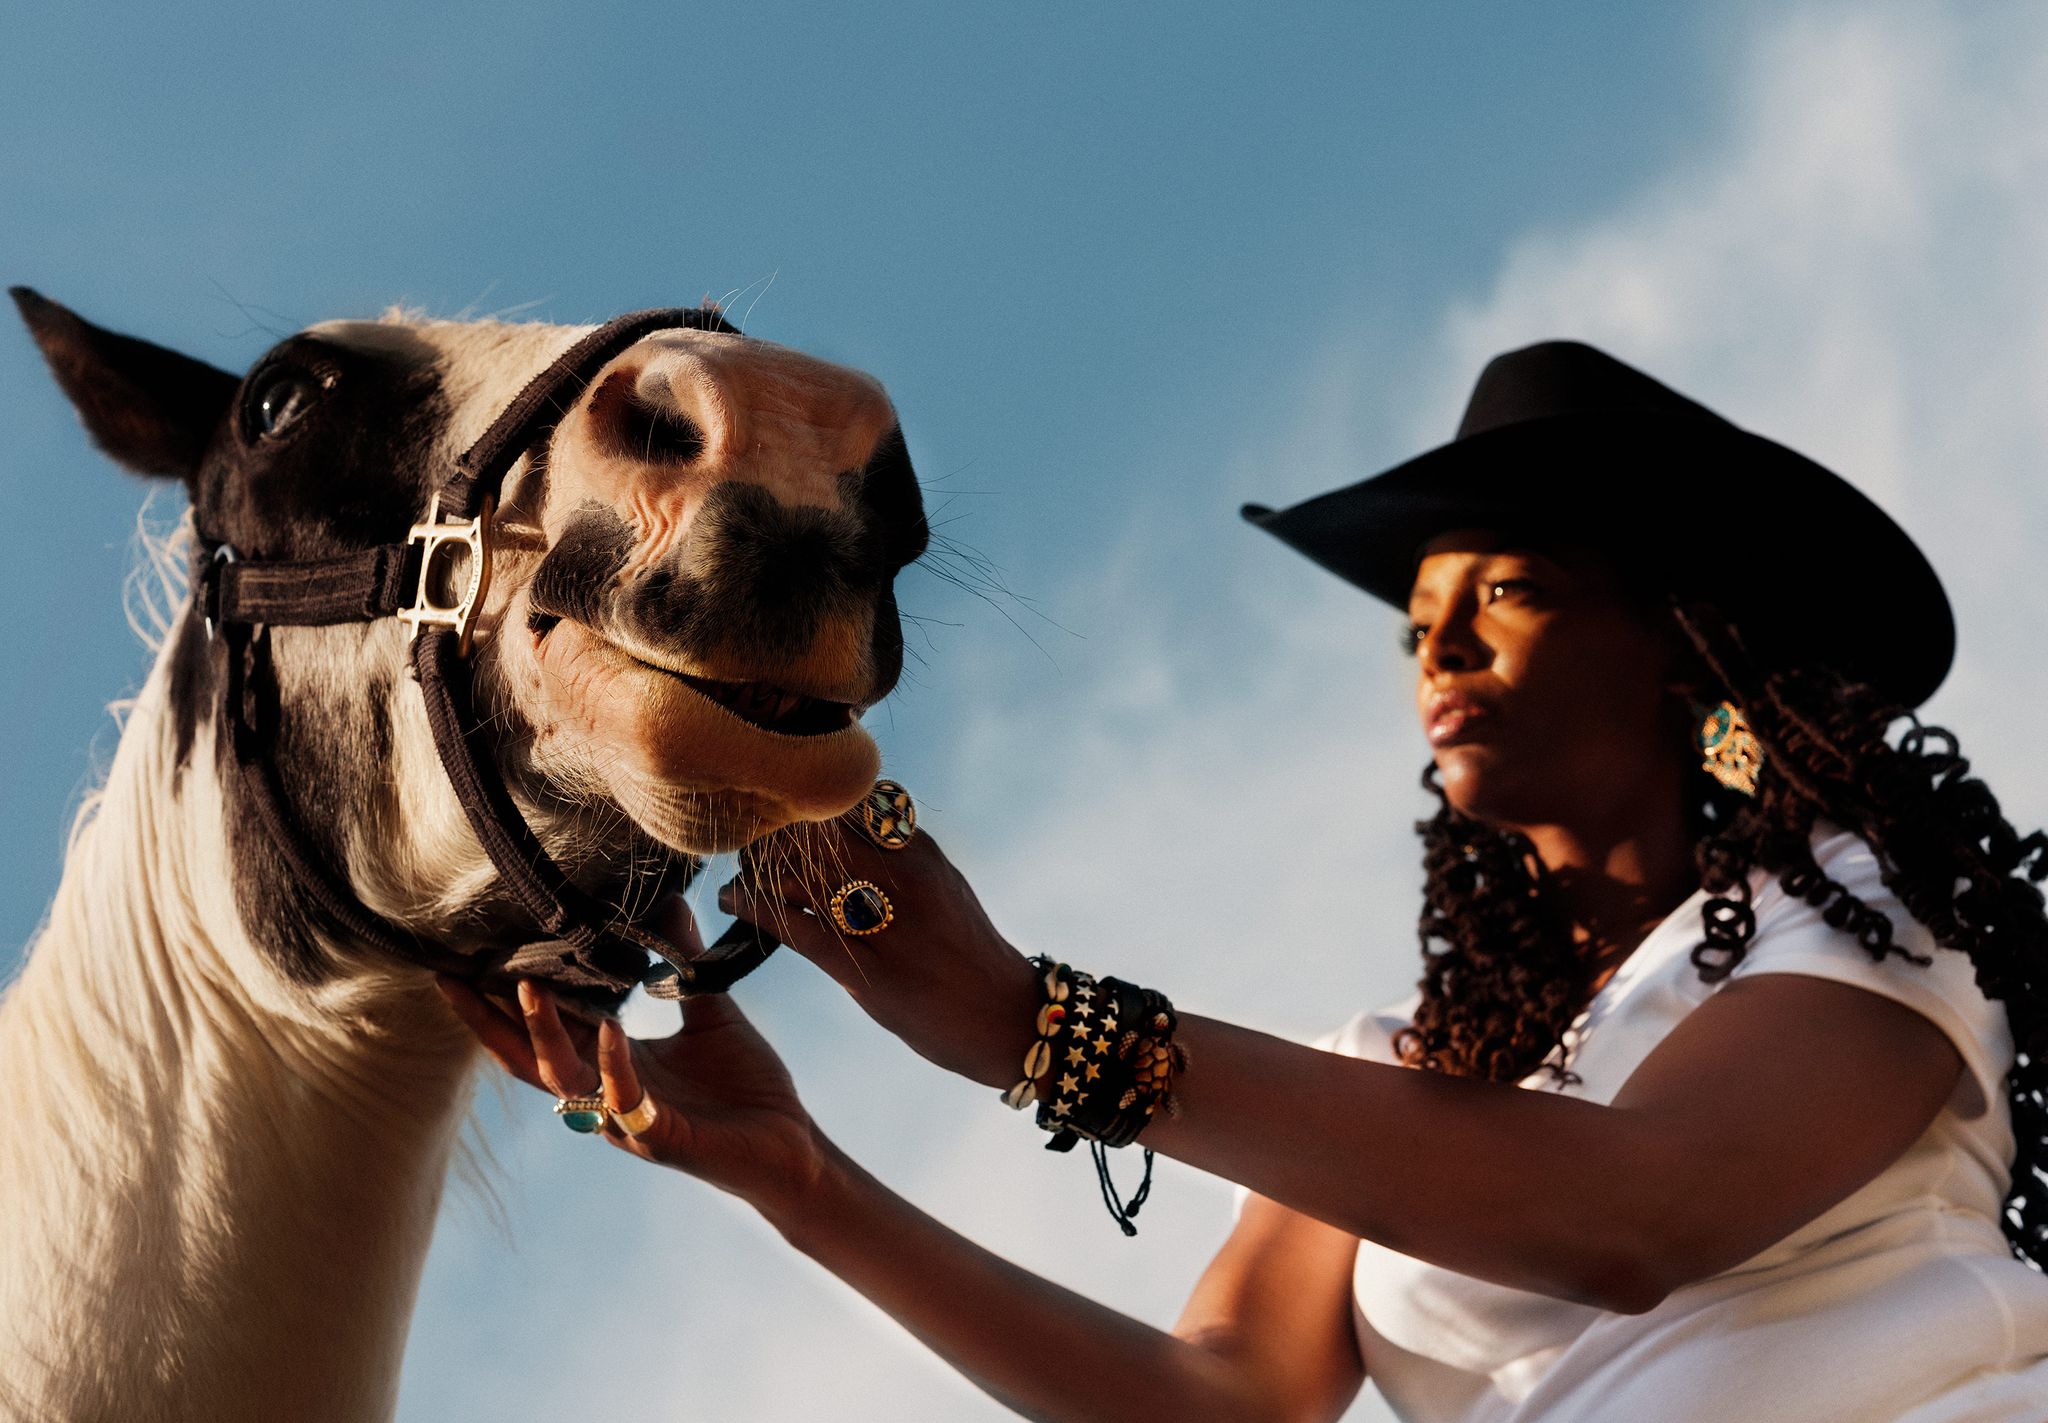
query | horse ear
(152,410)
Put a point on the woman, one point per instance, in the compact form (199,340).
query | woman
(1714,1118)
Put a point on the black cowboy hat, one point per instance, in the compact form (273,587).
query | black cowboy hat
(1563,442)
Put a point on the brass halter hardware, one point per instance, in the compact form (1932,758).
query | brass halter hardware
(437,542)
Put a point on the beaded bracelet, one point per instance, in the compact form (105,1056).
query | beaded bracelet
(1056,983)
(1113,1050)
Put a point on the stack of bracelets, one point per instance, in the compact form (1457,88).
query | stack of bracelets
(1100,1068)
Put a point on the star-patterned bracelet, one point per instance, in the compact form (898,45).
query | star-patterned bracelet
(1056,984)
(1113,1073)
(1084,1079)
(1114,1068)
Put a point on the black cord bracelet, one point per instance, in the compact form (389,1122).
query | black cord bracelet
(1113,1061)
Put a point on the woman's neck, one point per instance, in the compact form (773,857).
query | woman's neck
(1615,882)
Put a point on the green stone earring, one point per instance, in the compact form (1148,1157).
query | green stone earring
(1731,753)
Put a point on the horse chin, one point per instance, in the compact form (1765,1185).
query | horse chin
(696,776)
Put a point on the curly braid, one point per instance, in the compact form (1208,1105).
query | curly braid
(1502,980)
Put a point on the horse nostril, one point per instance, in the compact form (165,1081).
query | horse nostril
(647,432)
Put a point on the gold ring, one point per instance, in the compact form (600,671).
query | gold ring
(583,1114)
(860,908)
(888,816)
(637,1121)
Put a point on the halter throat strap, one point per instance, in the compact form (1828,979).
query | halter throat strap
(582,946)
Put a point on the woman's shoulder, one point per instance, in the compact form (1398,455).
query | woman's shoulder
(1793,935)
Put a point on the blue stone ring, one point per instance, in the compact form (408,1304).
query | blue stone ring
(860,909)
(584,1114)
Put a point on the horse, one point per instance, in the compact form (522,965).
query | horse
(385,737)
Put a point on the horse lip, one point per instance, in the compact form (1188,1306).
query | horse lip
(767,707)
(762,704)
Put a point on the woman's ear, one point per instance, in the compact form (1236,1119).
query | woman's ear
(152,410)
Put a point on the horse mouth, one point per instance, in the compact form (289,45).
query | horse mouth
(760,704)
(766,706)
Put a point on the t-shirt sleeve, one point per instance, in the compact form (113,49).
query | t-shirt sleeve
(1369,1035)
(1793,938)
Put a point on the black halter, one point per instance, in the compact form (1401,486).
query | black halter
(583,947)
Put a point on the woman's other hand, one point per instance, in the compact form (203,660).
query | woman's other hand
(938,976)
(726,1110)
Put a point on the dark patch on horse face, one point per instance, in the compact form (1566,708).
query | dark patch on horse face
(893,504)
(193,691)
(578,576)
(330,755)
(777,573)
(350,470)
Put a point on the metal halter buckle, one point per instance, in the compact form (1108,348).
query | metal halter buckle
(438,543)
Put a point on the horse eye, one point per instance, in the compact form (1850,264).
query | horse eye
(277,402)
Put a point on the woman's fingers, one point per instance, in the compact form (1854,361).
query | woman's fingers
(811,935)
(622,1090)
(562,1069)
(503,1038)
(805,863)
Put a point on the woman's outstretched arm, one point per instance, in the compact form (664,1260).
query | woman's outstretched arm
(1773,1100)
(1266,1336)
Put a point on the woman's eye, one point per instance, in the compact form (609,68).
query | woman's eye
(1412,638)
(1509,588)
(277,402)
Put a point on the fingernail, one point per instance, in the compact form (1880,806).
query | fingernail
(529,996)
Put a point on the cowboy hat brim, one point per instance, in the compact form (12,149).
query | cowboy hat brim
(1810,570)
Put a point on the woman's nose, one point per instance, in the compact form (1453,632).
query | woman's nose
(1450,645)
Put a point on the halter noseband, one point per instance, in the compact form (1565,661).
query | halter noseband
(583,947)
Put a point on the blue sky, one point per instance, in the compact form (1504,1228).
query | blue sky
(1085,248)
(1121,268)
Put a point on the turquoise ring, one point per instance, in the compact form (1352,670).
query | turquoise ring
(583,1114)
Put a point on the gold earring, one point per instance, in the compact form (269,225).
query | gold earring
(1732,754)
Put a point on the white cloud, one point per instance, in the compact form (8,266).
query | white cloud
(1212,793)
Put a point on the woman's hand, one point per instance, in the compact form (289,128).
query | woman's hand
(725,1108)
(939,976)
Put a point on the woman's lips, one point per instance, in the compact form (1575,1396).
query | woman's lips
(1454,719)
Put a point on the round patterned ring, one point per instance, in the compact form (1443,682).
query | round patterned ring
(860,908)
(888,816)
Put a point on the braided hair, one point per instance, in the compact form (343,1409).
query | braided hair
(1502,979)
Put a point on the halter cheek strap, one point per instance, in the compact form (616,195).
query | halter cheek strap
(582,946)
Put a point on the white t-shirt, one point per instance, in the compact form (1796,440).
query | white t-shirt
(1902,1303)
